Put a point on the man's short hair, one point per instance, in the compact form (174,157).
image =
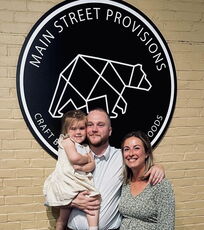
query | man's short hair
(103,111)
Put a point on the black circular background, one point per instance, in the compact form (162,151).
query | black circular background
(104,39)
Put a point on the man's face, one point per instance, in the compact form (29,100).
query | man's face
(98,128)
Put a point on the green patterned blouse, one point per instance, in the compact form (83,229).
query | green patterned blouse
(152,209)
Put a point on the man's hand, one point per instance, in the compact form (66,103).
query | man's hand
(156,173)
(85,203)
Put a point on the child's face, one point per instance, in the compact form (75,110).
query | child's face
(77,131)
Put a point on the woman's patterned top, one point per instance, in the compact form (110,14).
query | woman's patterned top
(152,209)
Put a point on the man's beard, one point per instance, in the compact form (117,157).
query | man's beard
(99,143)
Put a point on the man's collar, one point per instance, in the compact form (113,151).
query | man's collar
(105,155)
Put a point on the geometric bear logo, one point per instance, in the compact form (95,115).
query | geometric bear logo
(106,82)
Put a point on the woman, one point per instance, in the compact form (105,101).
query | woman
(142,205)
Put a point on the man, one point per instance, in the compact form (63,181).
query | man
(108,177)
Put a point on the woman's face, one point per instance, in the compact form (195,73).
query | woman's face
(134,153)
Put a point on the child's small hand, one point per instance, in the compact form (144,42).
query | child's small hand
(90,157)
(77,167)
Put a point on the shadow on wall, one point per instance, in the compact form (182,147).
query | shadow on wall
(52,215)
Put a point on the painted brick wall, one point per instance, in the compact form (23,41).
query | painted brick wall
(24,164)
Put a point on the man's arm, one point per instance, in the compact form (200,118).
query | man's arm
(85,203)
(156,174)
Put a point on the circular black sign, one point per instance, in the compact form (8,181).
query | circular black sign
(96,53)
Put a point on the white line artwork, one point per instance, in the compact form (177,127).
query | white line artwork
(100,88)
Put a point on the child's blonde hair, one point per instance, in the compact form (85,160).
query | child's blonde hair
(70,117)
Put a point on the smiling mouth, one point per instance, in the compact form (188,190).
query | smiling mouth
(132,159)
(78,137)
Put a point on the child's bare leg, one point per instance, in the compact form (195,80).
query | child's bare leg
(62,220)
(93,220)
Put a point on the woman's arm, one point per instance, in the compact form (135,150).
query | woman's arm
(166,206)
(72,154)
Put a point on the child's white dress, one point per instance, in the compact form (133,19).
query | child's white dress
(64,183)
